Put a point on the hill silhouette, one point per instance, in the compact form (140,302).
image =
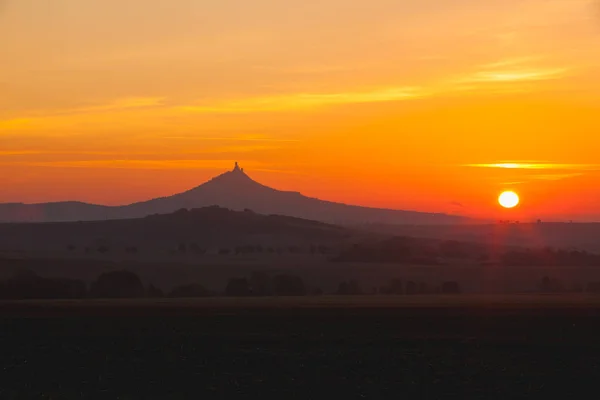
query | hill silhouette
(234,190)
(193,231)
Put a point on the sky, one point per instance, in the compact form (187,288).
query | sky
(426,105)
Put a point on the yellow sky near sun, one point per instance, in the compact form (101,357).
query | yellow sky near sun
(391,103)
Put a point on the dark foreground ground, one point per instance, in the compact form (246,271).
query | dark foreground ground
(462,347)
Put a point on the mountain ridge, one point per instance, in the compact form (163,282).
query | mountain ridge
(233,189)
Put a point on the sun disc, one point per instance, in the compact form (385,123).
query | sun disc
(508,199)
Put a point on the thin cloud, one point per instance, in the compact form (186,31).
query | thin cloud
(309,100)
(127,103)
(149,156)
(241,138)
(131,164)
(516,75)
(548,166)
(128,164)
(556,177)
(116,105)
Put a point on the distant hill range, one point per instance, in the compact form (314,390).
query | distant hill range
(208,228)
(234,190)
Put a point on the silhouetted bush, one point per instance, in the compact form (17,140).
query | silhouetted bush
(117,284)
(450,288)
(238,287)
(288,285)
(224,252)
(31,286)
(190,290)
(103,249)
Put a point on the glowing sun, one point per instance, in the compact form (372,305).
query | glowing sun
(508,199)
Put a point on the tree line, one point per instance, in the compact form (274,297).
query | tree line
(127,284)
(192,248)
(429,252)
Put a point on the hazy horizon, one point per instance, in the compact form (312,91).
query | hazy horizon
(394,104)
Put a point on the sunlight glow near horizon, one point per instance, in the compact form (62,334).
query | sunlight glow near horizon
(396,104)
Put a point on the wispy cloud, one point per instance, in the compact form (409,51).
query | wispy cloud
(240,138)
(132,164)
(513,70)
(310,100)
(556,176)
(500,73)
(551,171)
(547,166)
(122,104)
(150,155)
(515,75)
(126,103)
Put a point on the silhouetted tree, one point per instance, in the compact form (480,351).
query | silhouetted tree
(395,287)
(238,287)
(577,288)
(551,285)
(593,287)
(103,249)
(117,284)
(288,285)
(260,284)
(27,285)
(450,287)
(190,290)
(224,252)
(294,249)
(71,247)
(350,288)
(411,287)
(182,248)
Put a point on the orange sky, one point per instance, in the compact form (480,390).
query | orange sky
(391,103)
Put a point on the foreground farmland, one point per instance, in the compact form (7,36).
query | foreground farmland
(374,347)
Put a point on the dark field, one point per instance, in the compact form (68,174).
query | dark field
(344,347)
